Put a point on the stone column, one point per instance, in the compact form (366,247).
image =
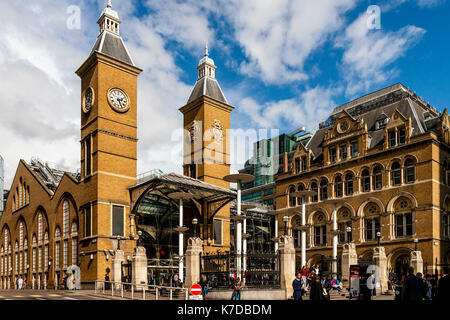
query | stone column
(139,267)
(379,256)
(349,257)
(116,267)
(417,262)
(287,264)
(193,251)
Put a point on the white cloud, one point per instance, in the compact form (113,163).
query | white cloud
(369,53)
(278,36)
(311,107)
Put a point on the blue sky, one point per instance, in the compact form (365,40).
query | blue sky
(283,64)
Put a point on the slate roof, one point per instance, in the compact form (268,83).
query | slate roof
(376,106)
(209,87)
(112,45)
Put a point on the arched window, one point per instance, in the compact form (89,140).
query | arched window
(40,227)
(16,260)
(446,224)
(365,180)
(34,253)
(57,248)
(292,200)
(74,243)
(314,188)
(403,218)
(323,189)
(338,192)
(377,178)
(66,217)
(372,221)
(21,235)
(396,174)
(344,222)
(410,171)
(296,223)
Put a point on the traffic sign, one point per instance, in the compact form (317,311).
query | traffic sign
(196,289)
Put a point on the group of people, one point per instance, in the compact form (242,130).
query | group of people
(417,288)
(318,285)
(21,284)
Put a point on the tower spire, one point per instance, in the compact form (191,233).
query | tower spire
(109,4)
(109,20)
(206,66)
(206,49)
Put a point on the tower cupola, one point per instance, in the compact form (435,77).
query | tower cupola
(109,20)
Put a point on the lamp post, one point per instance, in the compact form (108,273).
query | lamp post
(194,223)
(239,179)
(181,196)
(335,233)
(304,194)
(416,241)
(349,230)
(245,236)
(118,243)
(378,238)
(285,220)
(139,237)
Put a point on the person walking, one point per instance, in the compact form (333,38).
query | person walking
(428,286)
(298,287)
(412,287)
(326,287)
(371,283)
(304,274)
(443,286)
(19,283)
(316,289)
(237,290)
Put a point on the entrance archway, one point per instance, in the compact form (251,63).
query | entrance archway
(399,261)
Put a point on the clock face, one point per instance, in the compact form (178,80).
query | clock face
(118,99)
(88,100)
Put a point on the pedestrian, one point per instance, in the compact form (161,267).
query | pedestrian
(315,293)
(304,273)
(326,287)
(371,284)
(317,270)
(412,287)
(443,286)
(107,279)
(364,290)
(428,286)
(298,287)
(237,290)
(19,283)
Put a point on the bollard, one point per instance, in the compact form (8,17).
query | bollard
(132,292)
(122,289)
(157,293)
(143,294)
(112,289)
(170,292)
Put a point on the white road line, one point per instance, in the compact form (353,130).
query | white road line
(69,298)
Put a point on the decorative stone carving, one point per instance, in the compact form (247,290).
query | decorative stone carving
(192,257)
(349,257)
(417,261)
(217,130)
(379,256)
(139,267)
(287,264)
(195,130)
(116,267)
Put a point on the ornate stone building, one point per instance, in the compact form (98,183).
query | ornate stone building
(387,156)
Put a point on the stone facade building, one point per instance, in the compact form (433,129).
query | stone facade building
(386,155)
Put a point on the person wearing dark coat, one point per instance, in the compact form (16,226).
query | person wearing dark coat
(298,287)
(326,287)
(365,292)
(443,286)
(412,287)
(316,289)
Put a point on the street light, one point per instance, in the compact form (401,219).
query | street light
(285,220)
(378,237)
(118,243)
(349,230)
(139,237)
(416,241)
(194,223)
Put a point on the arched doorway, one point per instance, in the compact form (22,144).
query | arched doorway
(400,261)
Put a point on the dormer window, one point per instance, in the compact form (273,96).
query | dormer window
(392,139)
(401,136)
(303,163)
(397,137)
(354,149)
(333,155)
(381,123)
(343,152)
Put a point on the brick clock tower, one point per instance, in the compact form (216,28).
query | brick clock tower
(206,155)
(108,148)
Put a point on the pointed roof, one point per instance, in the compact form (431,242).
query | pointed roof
(109,41)
(206,84)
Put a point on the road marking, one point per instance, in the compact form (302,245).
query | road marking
(36,295)
(69,298)
(54,295)
(18,296)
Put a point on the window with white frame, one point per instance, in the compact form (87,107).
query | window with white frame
(403,218)
(57,254)
(66,253)
(66,217)
(40,227)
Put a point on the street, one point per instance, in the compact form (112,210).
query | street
(50,295)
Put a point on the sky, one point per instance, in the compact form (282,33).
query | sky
(282,64)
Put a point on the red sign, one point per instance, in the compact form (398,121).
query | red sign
(196,289)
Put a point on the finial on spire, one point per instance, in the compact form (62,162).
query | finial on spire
(109,4)
(206,50)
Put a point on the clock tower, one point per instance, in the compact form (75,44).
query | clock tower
(206,154)
(108,146)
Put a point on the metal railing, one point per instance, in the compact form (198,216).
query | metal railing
(136,291)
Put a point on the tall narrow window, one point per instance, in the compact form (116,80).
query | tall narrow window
(377,178)
(57,255)
(343,150)
(40,228)
(303,163)
(403,225)
(338,186)
(410,171)
(320,235)
(193,171)
(66,218)
(88,221)
(345,236)
(333,155)
(292,200)
(297,165)
(446,225)
(396,174)
(314,188)
(401,136)
(66,253)
(365,180)
(372,227)
(88,156)
(75,251)
(217,232)
(323,189)
(118,221)
(392,138)
(354,149)
(349,184)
